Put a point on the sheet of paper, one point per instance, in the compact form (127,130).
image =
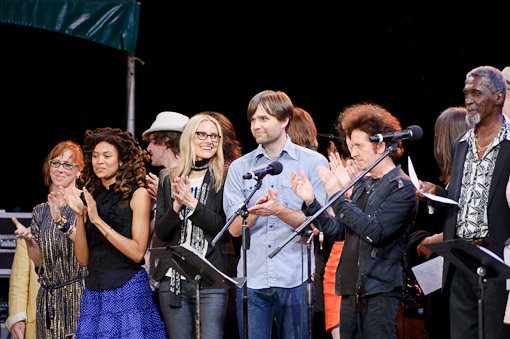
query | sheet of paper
(416,183)
(506,255)
(429,274)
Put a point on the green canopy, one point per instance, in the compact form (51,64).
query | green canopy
(113,23)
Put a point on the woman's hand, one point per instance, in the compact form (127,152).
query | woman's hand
(55,201)
(91,207)
(21,230)
(181,188)
(73,201)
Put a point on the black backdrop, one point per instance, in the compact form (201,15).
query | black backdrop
(411,61)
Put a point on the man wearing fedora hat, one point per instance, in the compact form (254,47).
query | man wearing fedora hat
(506,105)
(163,137)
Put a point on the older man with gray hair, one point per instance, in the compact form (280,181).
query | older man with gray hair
(480,163)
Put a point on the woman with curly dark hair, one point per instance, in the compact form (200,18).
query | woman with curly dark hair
(111,239)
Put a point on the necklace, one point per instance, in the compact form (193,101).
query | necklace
(200,165)
(478,148)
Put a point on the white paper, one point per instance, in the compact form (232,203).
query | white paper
(506,255)
(416,183)
(429,274)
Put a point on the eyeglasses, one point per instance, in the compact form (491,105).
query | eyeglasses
(203,136)
(66,165)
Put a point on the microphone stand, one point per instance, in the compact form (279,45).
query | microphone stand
(243,212)
(333,198)
(309,284)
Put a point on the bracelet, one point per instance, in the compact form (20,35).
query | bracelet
(63,225)
(60,222)
(107,232)
(69,231)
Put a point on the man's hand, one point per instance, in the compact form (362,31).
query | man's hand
(18,330)
(266,205)
(424,250)
(302,186)
(152,187)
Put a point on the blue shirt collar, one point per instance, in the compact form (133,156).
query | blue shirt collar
(289,147)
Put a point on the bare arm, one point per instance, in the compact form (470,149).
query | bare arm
(81,248)
(136,247)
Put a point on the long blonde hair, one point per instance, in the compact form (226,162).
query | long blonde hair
(188,154)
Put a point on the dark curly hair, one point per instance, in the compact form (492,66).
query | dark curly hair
(371,119)
(131,156)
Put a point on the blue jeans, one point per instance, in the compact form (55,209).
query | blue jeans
(180,321)
(286,305)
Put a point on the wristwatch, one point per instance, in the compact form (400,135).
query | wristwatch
(62,224)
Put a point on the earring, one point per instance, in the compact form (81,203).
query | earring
(120,164)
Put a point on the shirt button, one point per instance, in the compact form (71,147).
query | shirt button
(269,246)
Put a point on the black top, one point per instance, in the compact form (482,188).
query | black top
(350,254)
(108,267)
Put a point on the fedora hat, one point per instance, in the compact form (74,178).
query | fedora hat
(168,121)
(506,75)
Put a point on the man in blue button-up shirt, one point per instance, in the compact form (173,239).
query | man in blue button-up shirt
(277,285)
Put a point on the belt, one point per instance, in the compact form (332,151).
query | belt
(479,241)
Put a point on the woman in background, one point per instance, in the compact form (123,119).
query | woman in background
(428,227)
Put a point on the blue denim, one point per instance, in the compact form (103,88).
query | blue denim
(180,321)
(286,305)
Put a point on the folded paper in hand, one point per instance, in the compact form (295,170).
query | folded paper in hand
(416,183)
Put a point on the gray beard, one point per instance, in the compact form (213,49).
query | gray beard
(472,118)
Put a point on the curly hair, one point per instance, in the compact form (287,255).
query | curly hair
(371,119)
(131,157)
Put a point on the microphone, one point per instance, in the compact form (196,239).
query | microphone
(413,133)
(274,168)
(328,136)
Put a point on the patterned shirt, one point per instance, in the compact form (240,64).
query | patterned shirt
(476,179)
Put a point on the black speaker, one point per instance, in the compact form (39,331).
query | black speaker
(8,239)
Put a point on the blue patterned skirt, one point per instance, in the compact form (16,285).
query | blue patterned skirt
(126,312)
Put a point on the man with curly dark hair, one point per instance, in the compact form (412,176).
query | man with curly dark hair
(375,222)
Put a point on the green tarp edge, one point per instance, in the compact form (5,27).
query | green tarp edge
(112,23)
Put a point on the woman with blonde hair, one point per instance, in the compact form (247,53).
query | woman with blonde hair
(190,210)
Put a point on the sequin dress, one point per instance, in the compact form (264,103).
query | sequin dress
(60,275)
